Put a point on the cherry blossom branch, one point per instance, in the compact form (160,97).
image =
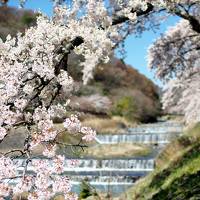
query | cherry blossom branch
(13,151)
(72,145)
(53,97)
(195,24)
(122,19)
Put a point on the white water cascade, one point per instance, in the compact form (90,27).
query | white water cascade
(117,175)
(159,133)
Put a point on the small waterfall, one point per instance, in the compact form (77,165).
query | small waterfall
(117,175)
(161,127)
(105,164)
(159,133)
(106,179)
(135,138)
(130,164)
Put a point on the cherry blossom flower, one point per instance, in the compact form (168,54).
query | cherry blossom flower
(50,150)
(8,168)
(28,89)
(61,184)
(72,124)
(89,134)
(24,185)
(58,164)
(20,103)
(42,181)
(5,189)
(41,166)
(3,132)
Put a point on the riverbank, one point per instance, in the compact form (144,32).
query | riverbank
(121,150)
(177,173)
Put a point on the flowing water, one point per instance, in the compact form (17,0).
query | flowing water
(117,175)
(146,138)
(158,133)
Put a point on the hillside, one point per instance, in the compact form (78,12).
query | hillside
(120,89)
(177,173)
(13,20)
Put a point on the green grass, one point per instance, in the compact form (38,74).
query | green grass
(122,150)
(177,173)
(110,125)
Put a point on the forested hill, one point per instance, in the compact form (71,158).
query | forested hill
(116,90)
(131,94)
(13,20)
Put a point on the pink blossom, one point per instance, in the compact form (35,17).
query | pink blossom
(5,189)
(42,181)
(58,164)
(3,132)
(20,103)
(7,168)
(72,124)
(36,140)
(41,166)
(50,150)
(28,89)
(89,134)
(24,185)
(61,184)
(47,128)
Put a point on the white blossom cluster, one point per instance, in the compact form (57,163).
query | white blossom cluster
(33,68)
(34,73)
(175,53)
(175,59)
(73,125)
(182,97)
(32,77)
(126,8)
(47,176)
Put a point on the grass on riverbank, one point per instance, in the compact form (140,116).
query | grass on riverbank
(114,125)
(177,173)
(121,150)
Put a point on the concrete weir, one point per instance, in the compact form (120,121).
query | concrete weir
(117,175)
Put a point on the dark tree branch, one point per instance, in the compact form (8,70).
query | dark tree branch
(13,151)
(195,24)
(72,145)
(122,19)
(58,88)
(66,51)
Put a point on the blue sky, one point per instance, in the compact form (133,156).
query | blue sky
(44,5)
(136,47)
